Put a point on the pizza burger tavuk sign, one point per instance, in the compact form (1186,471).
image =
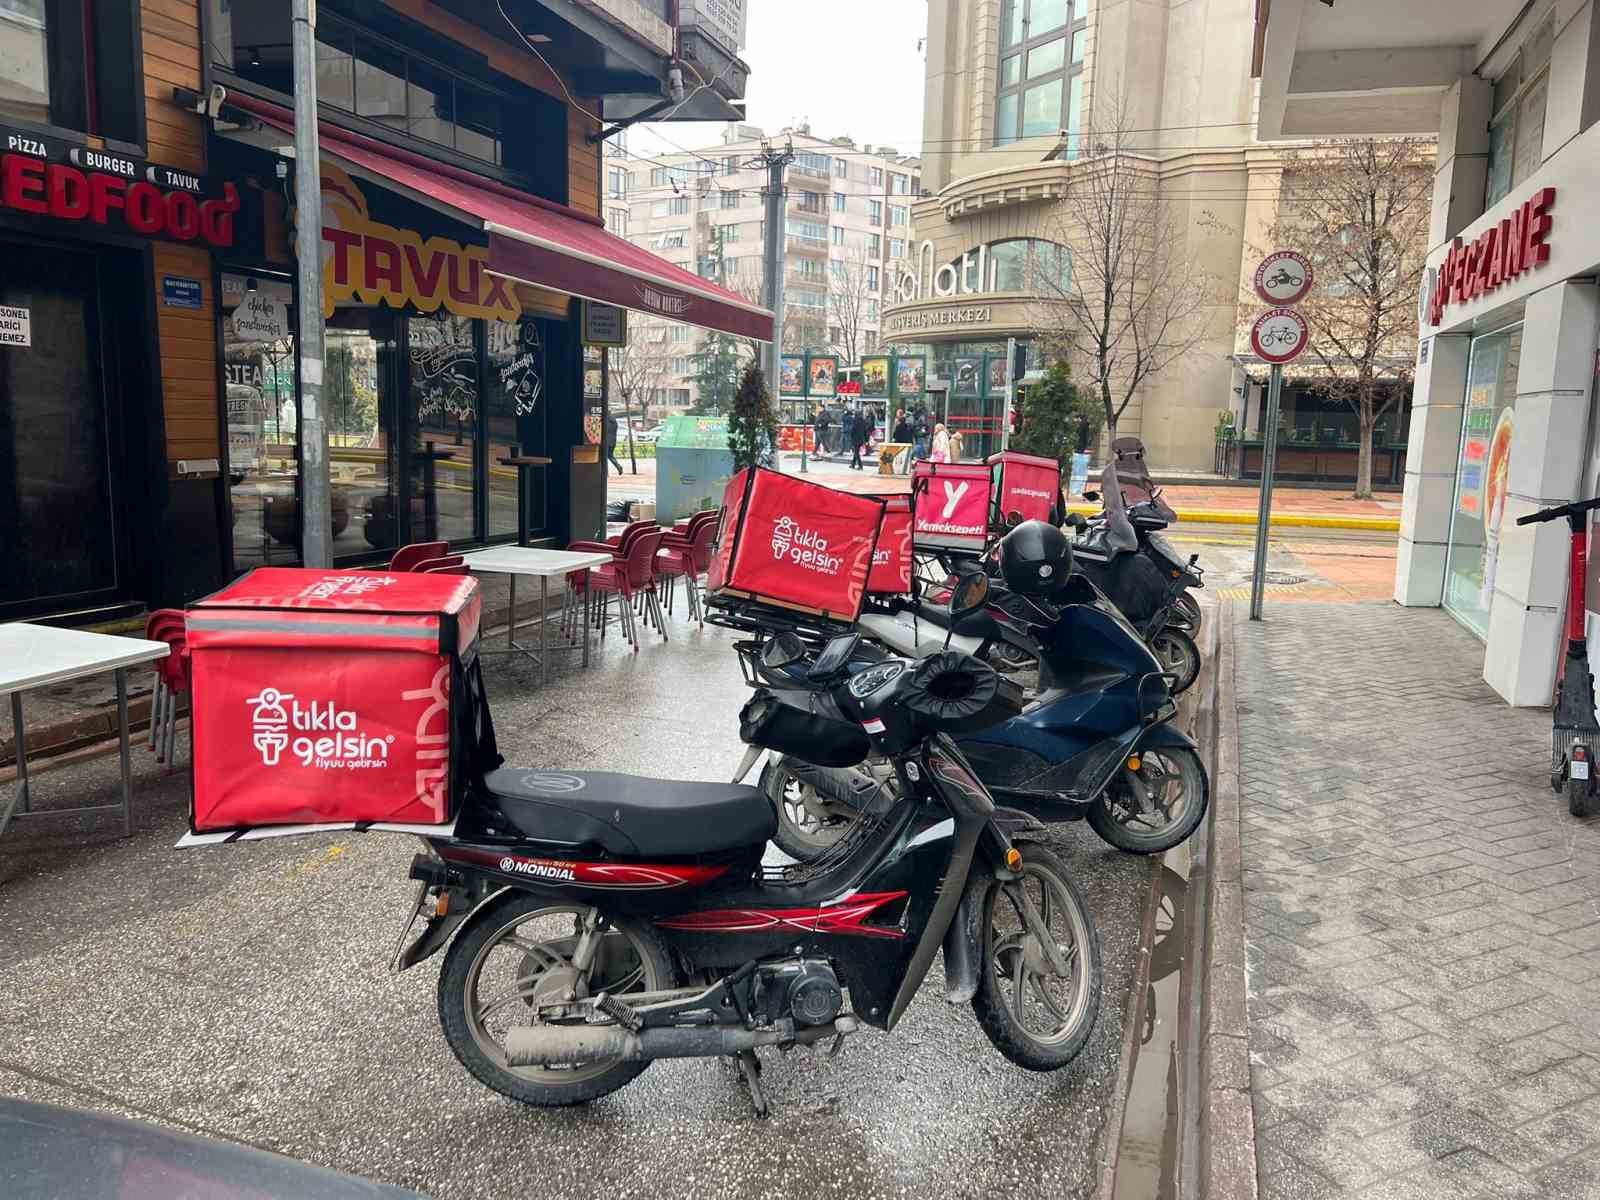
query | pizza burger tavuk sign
(1495,257)
(47,177)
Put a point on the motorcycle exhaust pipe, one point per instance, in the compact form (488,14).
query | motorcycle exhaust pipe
(570,1045)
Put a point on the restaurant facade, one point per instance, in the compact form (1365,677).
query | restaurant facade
(148,306)
(1503,419)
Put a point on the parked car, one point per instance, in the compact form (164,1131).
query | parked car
(646,436)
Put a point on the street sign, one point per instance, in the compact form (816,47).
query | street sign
(1283,278)
(1279,335)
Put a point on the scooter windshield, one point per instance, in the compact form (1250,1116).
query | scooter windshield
(1119,530)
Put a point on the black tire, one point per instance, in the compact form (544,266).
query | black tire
(540,1086)
(1578,796)
(1188,614)
(1007,953)
(1166,768)
(801,835)
(1176,652)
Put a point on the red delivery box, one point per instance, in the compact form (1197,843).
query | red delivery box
(951,505)
(891,561)
(1028,484)
(325,696)
(794,544)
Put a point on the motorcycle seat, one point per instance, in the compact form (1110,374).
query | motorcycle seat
(978,625)
(629,815)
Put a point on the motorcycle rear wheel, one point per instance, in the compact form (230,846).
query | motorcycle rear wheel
(1176,781)
(1038,1019)
(1176,652)
(1578,796)
(1188,616)
(804,833)
(520,944)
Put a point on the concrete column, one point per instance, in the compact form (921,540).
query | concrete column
(1549,431)
(1431,453)
(1573,97)
(1462,166)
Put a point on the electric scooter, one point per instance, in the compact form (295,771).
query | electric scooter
(1575,735)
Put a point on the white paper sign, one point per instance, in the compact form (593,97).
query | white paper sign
(260,318)
(16,326)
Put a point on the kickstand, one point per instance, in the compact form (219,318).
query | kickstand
(750,1068)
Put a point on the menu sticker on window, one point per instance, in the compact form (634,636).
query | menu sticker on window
(16,326)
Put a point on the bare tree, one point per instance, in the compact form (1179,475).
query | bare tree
(1359,210)
(847,303)
(1131,302)
(636,370)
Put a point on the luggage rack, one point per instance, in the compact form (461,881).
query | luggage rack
(766,620)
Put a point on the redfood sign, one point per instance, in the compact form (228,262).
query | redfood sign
(47,177)
(1495,257)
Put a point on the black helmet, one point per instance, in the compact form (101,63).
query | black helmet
(1035,559)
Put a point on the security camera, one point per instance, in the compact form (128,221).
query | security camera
(211,106)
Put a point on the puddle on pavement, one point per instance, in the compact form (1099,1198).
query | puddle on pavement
(1149,1155)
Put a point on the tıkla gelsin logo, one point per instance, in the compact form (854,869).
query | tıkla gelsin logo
(317,733)
(803,547)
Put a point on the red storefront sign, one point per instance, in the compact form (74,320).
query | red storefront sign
(1495,257)
(45,178)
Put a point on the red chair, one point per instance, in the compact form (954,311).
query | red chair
(435,566)
(459,568)
(407,557)
(576,598)
(631,578)
(171,680)
(687,555)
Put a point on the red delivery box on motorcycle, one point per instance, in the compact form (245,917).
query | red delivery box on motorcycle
(891,561)
(325,696)
(951,504)
(794,544)
(1027,484)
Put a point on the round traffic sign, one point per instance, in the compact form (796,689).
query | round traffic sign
(1283,277)
(1279,335)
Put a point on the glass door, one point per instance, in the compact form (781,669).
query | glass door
(57,521)
(361,384)
(443,410)
(1482,477)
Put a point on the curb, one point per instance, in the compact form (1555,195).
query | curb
(1227,1121)
(1206,516)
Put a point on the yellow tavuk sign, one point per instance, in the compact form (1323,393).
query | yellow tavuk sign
(373,263)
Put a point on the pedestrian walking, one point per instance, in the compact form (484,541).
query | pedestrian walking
(921,432)
(955,445)
(902,428)
(819,422)
(941,444)
(609,437)
(860,434)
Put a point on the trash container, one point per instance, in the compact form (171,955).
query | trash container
(693,466)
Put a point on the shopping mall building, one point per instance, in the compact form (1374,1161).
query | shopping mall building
(1503,416)
(1015,91)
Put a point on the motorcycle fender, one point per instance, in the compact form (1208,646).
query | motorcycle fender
(962,941)
(432,939)
(1165,734)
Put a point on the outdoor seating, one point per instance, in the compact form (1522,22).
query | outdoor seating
(444,564)
(631,577)
(686,553)
(406,558)
(577,594)
(171,680)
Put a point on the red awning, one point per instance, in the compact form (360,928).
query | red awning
(537,242)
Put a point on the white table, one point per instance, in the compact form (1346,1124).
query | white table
(545,565)
(37,655)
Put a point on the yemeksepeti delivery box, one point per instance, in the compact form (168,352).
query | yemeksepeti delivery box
(952,503)
(891,561)
(794,544)
(323,696)
(1026,484)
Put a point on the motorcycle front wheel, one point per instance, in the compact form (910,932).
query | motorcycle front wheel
(1176,652)
(1038,1012)
(516,953)
(1156,807)
(1186,614)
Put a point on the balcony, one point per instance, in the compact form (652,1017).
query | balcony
(800,244)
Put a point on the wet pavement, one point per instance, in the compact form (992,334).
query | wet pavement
(243,992)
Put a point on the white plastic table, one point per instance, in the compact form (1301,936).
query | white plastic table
(37,655)
(545,565)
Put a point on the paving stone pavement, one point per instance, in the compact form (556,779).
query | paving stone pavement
(1422,919)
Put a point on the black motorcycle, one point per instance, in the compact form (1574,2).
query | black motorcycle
(601,921)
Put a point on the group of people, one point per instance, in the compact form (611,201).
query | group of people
(853,428)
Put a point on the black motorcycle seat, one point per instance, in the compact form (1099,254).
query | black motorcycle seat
(630,815)
(975,625)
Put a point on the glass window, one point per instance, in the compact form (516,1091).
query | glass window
(1482,478)
(1074,115)
(1045,16)
(838,202)
(442,363)
(514,414)
(430,104)
(874,245)
(1041,109)
(897,248)
(359,395)
(478,126)
(24,59)
(730,200)
(875,177)
(1499,184)
(837,235)
(336,84)
(1079,40)
(1008,266)
(1011,23)
(1516,132)
(1529,152)
(729,233)
(1042,60)
(730,165)
(874,212)
(872,279)
(381,85)
(263,430)
(897,214)
(1010,70)
(1006,120)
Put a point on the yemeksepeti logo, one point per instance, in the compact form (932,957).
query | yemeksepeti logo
(953,495)
(803,547)
(318,734)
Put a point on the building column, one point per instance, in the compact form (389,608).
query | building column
(1548,441)
(1432,449)
(1461,170)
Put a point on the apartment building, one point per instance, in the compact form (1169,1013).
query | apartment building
(847,216)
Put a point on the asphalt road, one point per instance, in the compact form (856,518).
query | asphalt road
(244,992)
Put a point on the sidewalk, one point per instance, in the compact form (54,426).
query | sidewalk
(1422,919)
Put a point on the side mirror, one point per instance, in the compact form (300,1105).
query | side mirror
(782,650)
(1076,521)
(1091,496)
(970,595)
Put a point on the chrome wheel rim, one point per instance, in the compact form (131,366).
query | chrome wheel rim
(1170,796)
(802,811)
(528,961)
(1047,1007)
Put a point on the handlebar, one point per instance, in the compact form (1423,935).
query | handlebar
(1576,509)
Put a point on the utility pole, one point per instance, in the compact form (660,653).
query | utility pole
(1011,393)
(1269,460)
(775,162)
(316,519)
